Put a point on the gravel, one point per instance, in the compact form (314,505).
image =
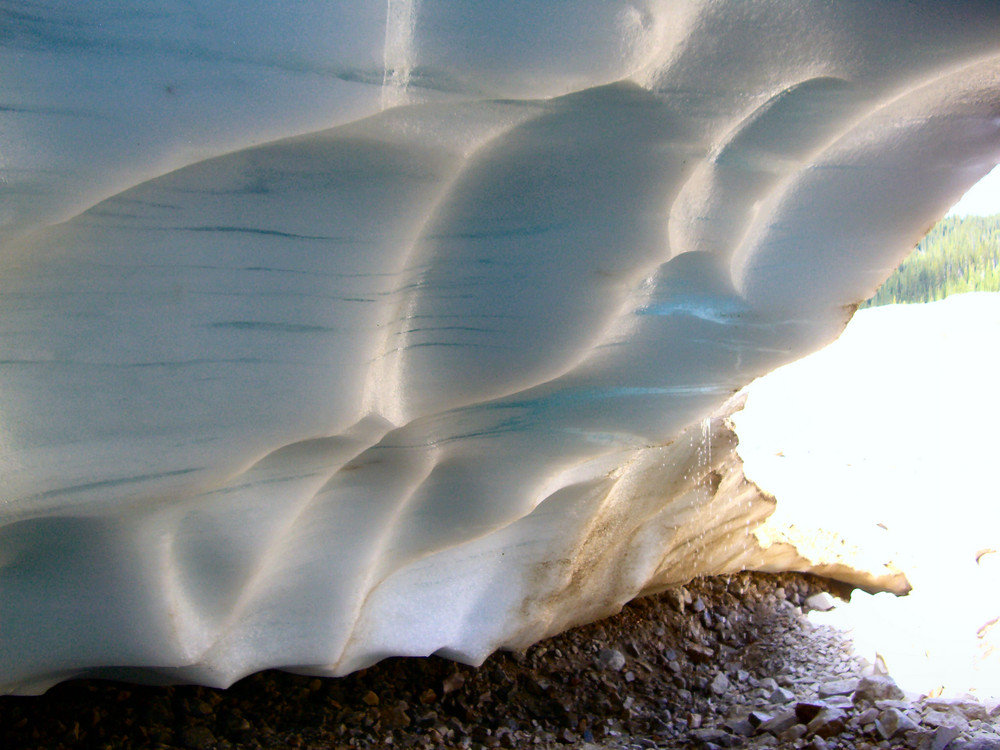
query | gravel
(723,662)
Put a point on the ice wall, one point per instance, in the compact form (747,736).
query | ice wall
(335,330)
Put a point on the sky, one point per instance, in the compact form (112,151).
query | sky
(983,199)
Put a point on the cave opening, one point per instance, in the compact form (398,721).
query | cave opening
(897,436)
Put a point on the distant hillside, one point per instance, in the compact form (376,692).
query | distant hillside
(960,254)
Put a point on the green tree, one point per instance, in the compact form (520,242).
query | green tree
(960,254)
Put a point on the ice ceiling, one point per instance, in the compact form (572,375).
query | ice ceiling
(337,330)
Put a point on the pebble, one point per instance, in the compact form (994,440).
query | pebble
(821,602)
(197,737)
(610,659)
(720,684)
(782,695)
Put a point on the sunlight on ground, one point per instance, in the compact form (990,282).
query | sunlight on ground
(889,437)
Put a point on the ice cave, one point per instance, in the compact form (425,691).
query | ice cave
(331,331)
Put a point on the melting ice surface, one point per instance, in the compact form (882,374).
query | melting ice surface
(335,330)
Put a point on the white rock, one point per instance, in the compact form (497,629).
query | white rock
(821,601)
(345,330)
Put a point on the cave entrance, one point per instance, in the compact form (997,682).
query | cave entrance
(960,254)
(881,440)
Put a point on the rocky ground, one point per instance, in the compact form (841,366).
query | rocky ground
(722,662)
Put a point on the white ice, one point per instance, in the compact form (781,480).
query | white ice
(334,330)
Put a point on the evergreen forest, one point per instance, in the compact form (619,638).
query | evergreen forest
(960,254)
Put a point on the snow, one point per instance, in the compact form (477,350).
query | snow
(885,439)
(335,331)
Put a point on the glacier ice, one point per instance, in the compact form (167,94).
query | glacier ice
(338,330)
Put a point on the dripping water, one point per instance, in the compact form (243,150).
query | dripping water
(400,23)
(706,440)
(705,451)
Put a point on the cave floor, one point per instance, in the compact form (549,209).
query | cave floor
(728,661)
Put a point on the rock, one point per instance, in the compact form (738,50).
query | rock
(807,710)
(780,722)
(715,736)
(237,725)
(943,736)
(741,727)
(970,709)
(837,687)
(839,701)
(453,682)
(610,659)
(892,722)
(396,716)
(782,695)
(877,687)
(821,602)
(699,654)
(370,698)
(757,718)
(428,719)
(936,718)
(197,737)
(796,732)
(867,716)
(676,599)
(902,705)
(978,742)
(828,722)
(720,684)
